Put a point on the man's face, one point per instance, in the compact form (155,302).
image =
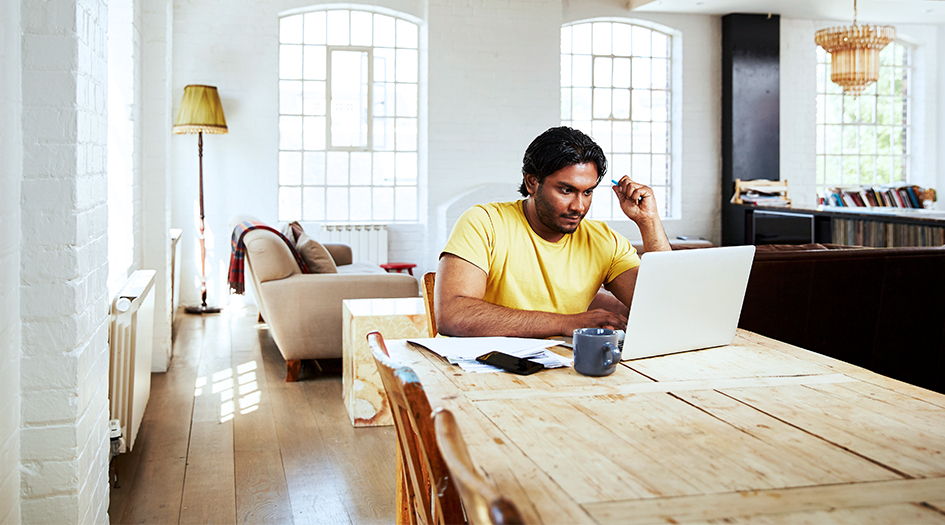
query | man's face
(563,198)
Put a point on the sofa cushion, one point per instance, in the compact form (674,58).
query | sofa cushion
(315,255)
(360,268)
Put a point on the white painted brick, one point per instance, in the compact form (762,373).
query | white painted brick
(47,478)
(49,406)
(49,52)
(44,124)
(41,335)
(52,509)
(48,443)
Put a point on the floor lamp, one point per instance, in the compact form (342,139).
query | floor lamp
(200,112)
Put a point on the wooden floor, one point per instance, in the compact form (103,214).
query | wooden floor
(226,440)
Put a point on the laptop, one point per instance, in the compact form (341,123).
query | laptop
(686,300)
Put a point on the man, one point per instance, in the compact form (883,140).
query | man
(531,268)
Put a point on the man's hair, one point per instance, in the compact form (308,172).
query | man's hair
(559,148)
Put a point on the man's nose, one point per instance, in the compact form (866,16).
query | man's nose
(581,202)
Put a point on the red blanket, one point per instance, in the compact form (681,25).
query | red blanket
(238,253)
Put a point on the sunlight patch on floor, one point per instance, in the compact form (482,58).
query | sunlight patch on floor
(241,390)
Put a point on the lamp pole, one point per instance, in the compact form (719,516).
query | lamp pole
(203,308)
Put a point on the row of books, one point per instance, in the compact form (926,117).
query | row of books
(901,196)
(879,234)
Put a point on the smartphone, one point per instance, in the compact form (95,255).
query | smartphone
(516,365)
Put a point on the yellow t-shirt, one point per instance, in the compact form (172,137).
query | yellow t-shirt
(527,272)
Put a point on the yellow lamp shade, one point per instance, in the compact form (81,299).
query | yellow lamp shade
(200,111)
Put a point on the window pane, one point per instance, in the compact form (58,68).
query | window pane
(360,168)
(623,133)
(660,169)
(620,164)
(290,132)
(349,99)
(290,30)
(602,98)
(406,100)
(337,168)
(384,134)
(314,98)
(659,106)
(641,137)
(640,170)
(407,34)
(581,39)
(641,41)
(314,67)
(659,134)
(383,65)
(622,40)
(383,204)
(314,133)
(601,38)
(621,107)
(405,203)
(338,28)
(290,97)
(383,31)
(640,109)
(406,169)
(313,201)
(603,69)
(565,70)
(315,27)
(384,99)
(660,45)
(361,28)
(406,134)
(313,168)
(360,204)
(565,104)
(640,73)
(581,71)
(582,104)
(601,134)
(407,65)
(622,72)
(290,62)
(290,203)
(383,169)
(336,203)
(660,73)
(290,168)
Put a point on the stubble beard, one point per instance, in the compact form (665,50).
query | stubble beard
(547,216)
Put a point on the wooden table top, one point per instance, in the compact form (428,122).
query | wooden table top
(756,432)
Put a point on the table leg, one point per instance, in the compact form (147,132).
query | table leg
(405,512)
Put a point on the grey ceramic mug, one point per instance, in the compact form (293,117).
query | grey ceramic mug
(595,351)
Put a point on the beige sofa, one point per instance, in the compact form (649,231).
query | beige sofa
(304,310)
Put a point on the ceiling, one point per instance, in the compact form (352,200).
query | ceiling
(869,11)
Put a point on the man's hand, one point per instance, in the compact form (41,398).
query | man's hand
(636,201)
(639,205)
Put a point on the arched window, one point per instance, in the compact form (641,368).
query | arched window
(865,140)
(616,85)
(348,116)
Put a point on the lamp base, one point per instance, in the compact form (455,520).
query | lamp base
(203,309)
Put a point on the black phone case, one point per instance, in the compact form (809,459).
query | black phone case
(516,365)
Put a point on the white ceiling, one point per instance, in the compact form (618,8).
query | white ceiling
(869,11)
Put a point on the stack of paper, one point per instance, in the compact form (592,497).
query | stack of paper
(463,351)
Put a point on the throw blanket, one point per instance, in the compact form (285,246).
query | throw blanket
(238,253)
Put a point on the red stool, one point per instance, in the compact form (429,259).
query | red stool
(398,267)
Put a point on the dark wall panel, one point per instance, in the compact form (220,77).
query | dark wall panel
(750,110)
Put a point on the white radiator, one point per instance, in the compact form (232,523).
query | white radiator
(130,331)
(368,242)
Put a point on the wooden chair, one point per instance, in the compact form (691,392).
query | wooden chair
(483,504)
(428,281)
(430,494)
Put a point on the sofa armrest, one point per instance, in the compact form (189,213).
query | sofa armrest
(304,311)
(340,253)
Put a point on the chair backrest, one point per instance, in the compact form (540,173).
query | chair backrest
(483,504)
(430,491)
(428,281)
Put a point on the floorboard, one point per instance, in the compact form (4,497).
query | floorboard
(226,440)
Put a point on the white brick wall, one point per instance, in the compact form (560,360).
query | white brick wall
(62,278)
(798,107)
(11,167)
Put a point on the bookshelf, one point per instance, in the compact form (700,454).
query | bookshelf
(872,227)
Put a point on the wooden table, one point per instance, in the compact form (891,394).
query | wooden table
(758,431)
(362,390)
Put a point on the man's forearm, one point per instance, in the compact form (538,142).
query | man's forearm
(654,237)
(470,317)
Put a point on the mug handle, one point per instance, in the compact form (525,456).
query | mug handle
(611,354)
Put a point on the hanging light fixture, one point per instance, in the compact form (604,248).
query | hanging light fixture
(854,53)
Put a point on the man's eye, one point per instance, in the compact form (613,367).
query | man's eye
(589,193)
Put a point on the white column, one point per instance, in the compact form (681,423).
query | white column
(63,273)
(11,170)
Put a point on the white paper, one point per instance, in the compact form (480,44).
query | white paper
(463,351)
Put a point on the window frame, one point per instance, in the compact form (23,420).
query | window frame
(389,187)
(830,162)
(670,207)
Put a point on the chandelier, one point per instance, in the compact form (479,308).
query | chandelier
(854,53)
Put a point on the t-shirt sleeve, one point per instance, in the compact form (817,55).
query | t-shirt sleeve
(625,257)
(472,238)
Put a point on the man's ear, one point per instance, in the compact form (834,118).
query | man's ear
(531,183)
